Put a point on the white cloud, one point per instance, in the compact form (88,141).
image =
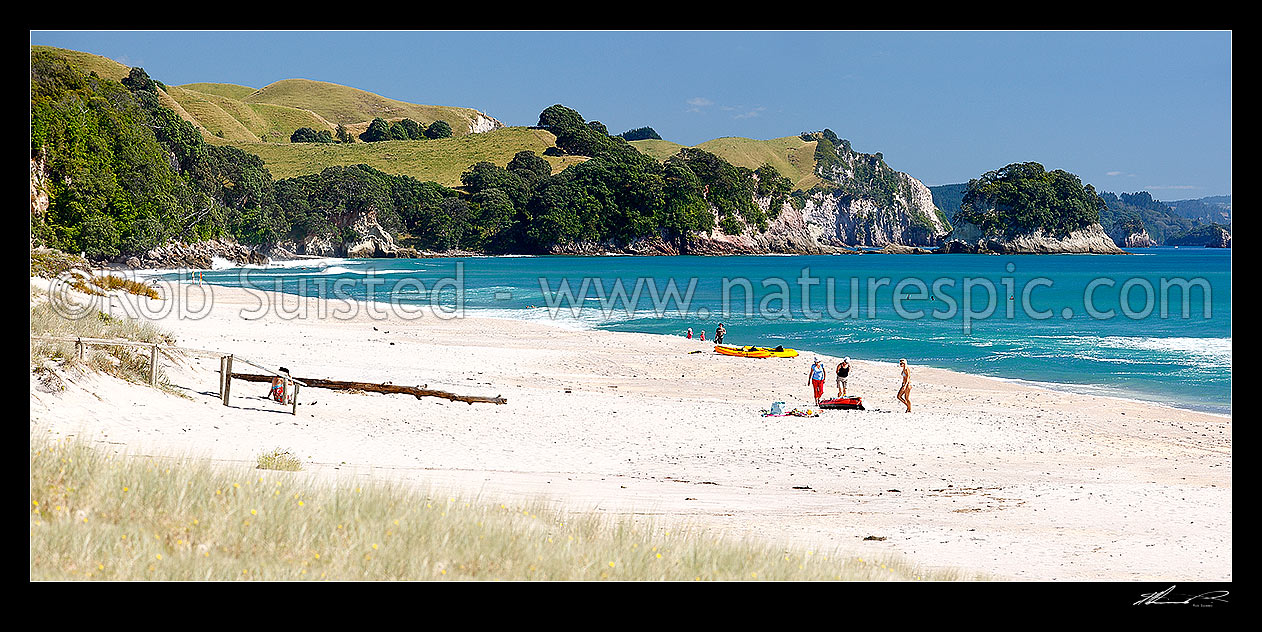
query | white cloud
(750,113)
(696,103)
(1113,173)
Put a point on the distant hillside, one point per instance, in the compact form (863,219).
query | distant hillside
(271,114)
(949,197)
(793,157)
(1209,236)
(1207,209)
(658,149)
(230,90)
(1156,216)
(110,69)
(215,162)
(442,160)
(345,105)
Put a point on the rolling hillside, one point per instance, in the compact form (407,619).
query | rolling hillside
(260,121)
(230,90)
(110,69)
(244,114)
(341,104)
(440,161)
(793,157)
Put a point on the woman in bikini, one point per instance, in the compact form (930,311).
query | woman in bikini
(904,391)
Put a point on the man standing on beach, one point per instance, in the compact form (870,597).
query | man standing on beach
(904,391)
(843,372)
(816,379)
(718,334)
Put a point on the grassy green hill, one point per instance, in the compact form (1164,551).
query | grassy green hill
(87,62)
(658,149)
(230,90)
(261,121)
(345,105)
(440,161)
(793,157)
(242,113)
(110,69)
(241,121)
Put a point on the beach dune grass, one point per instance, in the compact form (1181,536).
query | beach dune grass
(128,363)
(117,517)
(279,459)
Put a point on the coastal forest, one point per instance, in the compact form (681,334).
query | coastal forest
(123,164)
(124,173)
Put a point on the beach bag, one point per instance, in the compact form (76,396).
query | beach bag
(278,389)
(777,408)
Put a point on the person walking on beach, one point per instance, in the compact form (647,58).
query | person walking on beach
(718,334)
(904,391)
(843,372)
(816,379)
(702,335)
(690,333)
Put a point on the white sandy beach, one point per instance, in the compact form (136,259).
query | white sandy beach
(1006,479)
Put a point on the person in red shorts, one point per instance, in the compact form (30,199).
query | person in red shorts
(816,379)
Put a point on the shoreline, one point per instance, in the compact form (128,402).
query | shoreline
(1011,480)
(1076,388)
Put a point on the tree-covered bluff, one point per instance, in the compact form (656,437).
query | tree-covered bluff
(1024,208)
(116,174)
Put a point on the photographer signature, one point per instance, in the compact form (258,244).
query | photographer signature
(1159,598)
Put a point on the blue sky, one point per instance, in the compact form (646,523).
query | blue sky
(1126,111)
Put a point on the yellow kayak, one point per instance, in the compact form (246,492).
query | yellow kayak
(741,352)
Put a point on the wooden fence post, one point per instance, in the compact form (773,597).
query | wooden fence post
(296,387)
(227,378)
(153,366)
(78,348)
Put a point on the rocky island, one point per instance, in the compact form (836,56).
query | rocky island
(1025,209)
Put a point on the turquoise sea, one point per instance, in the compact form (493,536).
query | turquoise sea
(1042,327)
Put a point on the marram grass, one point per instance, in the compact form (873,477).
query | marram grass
(98,516)
(279,459)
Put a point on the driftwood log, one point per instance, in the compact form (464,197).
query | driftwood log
(418,391)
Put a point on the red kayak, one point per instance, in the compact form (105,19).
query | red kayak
(842,403)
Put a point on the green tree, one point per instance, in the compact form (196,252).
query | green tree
(640,133)
(378,130)
(559,117)
(495,215)
(138,79)
(412,130)
(308,135)
(438,129)
(397,131)
(530,165)
(344,136)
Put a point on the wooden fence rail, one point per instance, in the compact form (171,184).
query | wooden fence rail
(371,387)
(292,384)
